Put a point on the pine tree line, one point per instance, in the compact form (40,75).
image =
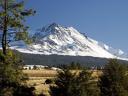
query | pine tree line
(112,82)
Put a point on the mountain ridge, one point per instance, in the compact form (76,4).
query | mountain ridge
(56,39)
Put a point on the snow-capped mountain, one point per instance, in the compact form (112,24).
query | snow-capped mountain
(56,39)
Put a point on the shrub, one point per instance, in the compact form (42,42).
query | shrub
(12,79)
(72,84)
(48,81)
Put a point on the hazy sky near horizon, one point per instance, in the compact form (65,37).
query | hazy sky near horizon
(102,20)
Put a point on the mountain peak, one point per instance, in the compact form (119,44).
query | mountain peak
(49,28)
(60,40)
(56,39)
(54,25)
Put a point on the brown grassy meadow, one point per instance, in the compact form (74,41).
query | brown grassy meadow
(37,78)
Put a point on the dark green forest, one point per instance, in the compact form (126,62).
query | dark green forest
(55,60)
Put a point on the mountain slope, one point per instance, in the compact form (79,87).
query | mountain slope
(117,52)
(56,39)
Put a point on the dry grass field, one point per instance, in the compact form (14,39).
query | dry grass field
(41,73)
(96,73)
(37,78)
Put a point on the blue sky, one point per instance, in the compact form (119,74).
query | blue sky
(102,20)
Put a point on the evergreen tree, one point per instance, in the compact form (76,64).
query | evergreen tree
(12,18)
(114,81)
(73,84)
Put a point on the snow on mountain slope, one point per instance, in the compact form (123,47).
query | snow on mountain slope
(56,39)
(117,52)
